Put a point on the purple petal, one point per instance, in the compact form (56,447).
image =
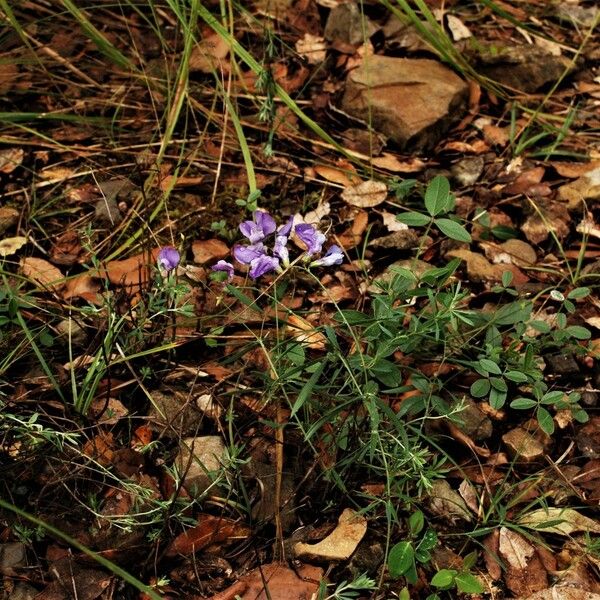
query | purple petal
(251,230)
(311,237)
(223,265)
(246,254)
(263,264)
(287,228)
(168,258)
(333,256)
(280,249)
(265,222)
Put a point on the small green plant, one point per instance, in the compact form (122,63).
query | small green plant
(459,579)
(404,556)
(348,590)
(439,202)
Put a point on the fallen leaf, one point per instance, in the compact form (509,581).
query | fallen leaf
(586,187)
(10,159)
(45,274)
(274,581)
(574,170)
(366,194)
(209,250)
(305,332)
(447,503)
(344,177)
(131,272)
(551,217)
(209,54)
(82,286)
(67,249)
(511,252)
(524,181)
(458,29)
(10,246)
(391,223)
(491,546)
(340,544)
(525,573)
(560,521)
(210,530)
(353,235)
(392,163)
(313,48)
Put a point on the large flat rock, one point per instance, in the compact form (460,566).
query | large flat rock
(411,100)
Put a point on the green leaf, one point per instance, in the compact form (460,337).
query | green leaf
(579,333)
(499,384)
(540,326)
(545,420)
(552,397)
(401,559)
(306,391)
(444,578)
(490,366)
(579,293)
(468,584)
(416,522)
(497,399)
(523,403)
(480,388)
(512,313)
(413,219)
(507,277)
(437,196)
(454,230)
(516,376)
(469,561)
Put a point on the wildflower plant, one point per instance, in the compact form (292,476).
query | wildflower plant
(261,260)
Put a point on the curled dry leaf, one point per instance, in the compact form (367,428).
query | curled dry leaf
(305,332)
(340,544)
(366,194)
(353,235)
(44,274)
(10,246)
(560,521)
(392,163)
(313,48)
(343,175)
(210,530)
(10,159)
(82,286)
(209,54)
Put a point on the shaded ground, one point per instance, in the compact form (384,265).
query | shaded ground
(420,419)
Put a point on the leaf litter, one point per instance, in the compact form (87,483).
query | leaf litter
(523,168)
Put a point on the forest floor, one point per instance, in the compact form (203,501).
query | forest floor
(389,385)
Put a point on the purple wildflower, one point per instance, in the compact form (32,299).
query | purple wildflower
(285,230)
(223,265)
(311,237)
(246,254)
(168,258)
(333,256)
(280,249)
(258,229)
(262,265)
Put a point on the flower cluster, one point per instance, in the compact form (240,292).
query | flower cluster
(256,254)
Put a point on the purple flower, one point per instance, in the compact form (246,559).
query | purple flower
(263,264)
(168,258)
(333,256)
(280,249)
(285,230)
(258,229)
(311,237)
(246,254)
(223,265)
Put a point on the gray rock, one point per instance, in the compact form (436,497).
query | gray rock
(561,364)
(346,24)
(412,101)
(523,68)
(12,556)
(199,461)
(175,413)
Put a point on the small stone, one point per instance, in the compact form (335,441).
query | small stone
(561,364)
(400,240)
(199,461)
(522,445)
(9,217)
(468,170)
(368,558)
(175,412)
(107,212)
(12,556)
(474,423)
(71,332)
(412,101)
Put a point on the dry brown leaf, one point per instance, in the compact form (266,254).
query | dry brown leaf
(10,246)
(340,544)
(45,274)
(366,194)
(524,181)
(170,182)
(275,581)
(208,250)
(82,286)
(343,177)
(391,162)
(491,555)
(305,332)
(574,170)
(210,530)
(131,272)
(497,136)
(545,519)
(67,249)
(525,573)
(10,159)
(353,235)
(313,48)
(209,54)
